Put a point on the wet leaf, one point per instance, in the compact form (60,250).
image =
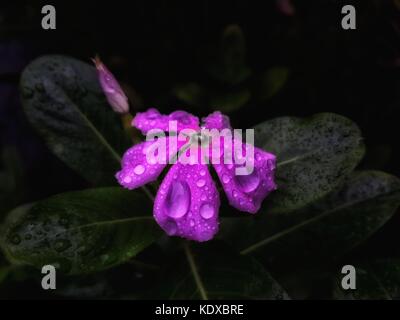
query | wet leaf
(324,231)
(378,279)
(80,232)
(63,101)
(313,156)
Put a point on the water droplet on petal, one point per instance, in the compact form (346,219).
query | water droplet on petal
(139,169)
(234,193)
(203,197)
(191,223)
(127,179)
(249,182)
(207,211)
(200,183)
(225,178)
(229,166)
(178,199)
(202,172)
(171,228)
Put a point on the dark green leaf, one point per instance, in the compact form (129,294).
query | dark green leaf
(374,280)
(191,93)
(232,67)
(63,101)
(272,82)
(80,232)
(325,231)
(313,156)
(211,271)
(229,102)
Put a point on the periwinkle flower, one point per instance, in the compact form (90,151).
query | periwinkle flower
(111,88)
(187,202)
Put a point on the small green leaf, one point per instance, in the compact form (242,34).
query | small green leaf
(64,102)
(213,271)
(229,102)
(313,156)
(325,231)
(378,279)
(191,93)
(232,67)
(272,81)
(80,232)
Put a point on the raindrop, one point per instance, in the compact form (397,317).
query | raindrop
(202,172)
(15,239)
(178,199)
(127,179)
(235,193)
(225,178)
(139,169)
(191,223)
(200,183)
(203,197)
(62,245)
(170,227)
(207,211)
(249,182)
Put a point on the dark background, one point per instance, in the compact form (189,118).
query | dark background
(151,46)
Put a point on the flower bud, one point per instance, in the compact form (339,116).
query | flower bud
(111,88)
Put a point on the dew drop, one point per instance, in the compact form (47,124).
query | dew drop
(171,227)
(202,172)
(207,211)
(62,245)
(191,223)
(200,183)
(203,197)
(127,179)
(249,182)
(15,239)
(139,169)
(178,199)
(234,193)
(225,178)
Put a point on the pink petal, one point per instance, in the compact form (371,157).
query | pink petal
(152,119)
(216,120)
(187,203)
(246,192)
(138,169)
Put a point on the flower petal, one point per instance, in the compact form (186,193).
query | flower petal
(187,203)
(140,166)
(246,192)
(216,120)
(152,119)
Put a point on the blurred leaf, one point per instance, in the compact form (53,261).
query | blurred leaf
(374,280)
(325,231)
(63,101)
(190,93)
(80,232)
(272,82)
(212,271)
(313,156)
(232,67)
(231,101)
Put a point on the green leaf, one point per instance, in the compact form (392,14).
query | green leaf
(272,81)
(63,101)
(191,93)
(313,156)
(229,102)
(378,279)
(324,231)
(213,271)
(80,232)
(232,67)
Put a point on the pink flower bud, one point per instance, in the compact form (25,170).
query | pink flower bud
(111,88)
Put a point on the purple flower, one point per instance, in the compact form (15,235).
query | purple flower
(111,88)
(187,202)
